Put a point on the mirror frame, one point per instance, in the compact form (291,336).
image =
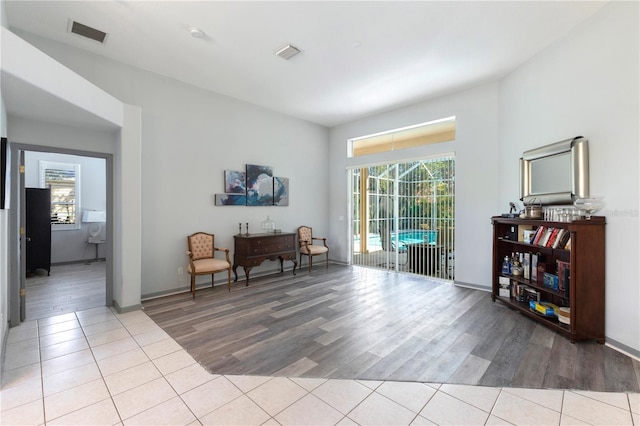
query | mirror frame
(578,147)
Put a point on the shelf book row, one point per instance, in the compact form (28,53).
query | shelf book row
(546,236)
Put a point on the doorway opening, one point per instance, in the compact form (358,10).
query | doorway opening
(404,217)
(62,193)
(75,269)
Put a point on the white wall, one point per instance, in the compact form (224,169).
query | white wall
(4,223)
(71,245)
(475,151)
(127,210)
(189,137)
(587,84)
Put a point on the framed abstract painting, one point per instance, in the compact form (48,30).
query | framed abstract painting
(231,200)
(280,191)
(259,185)
(235,182)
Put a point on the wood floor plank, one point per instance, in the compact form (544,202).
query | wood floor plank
(358,323)
(68,288)
(470,371)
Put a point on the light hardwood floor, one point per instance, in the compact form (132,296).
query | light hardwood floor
(69,288)
(357,323)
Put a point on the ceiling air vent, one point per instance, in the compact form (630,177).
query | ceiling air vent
(288,52)
(88,32)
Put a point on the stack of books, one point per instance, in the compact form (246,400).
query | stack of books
(546,236)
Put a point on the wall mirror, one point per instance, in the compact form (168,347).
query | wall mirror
(557,173)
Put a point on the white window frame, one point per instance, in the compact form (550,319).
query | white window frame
(44,165)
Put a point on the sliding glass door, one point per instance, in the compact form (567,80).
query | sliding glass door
(403,217)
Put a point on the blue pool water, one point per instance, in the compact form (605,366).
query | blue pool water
(410,236)
(416,236)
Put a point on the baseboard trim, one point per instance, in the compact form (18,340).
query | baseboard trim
(471,286)
(124,310)
(3,349)
(622,348)
(222,281)
(77,262)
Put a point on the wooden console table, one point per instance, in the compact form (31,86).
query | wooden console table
(253,249)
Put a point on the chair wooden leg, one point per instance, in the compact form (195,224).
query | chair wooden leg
(310,262)
(229,279)
(193,286)
(212,280)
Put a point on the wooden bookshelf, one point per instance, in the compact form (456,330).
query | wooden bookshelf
(586,286)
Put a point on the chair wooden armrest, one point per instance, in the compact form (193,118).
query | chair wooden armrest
(324,240)
(225,250)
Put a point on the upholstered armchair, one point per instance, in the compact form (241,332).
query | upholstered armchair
(202,261)
(307,248)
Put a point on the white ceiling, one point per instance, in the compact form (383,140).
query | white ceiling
(358,58)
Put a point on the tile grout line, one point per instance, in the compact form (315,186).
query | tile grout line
(255,402)
(494,406)
(94,360)
(104,381)
(117,316)
(44,408)
(161,373)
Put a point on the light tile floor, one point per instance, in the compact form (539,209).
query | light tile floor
(99,367)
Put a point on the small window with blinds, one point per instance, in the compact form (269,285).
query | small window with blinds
(64,181)
(433,132)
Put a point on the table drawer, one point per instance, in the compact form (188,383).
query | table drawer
(284,239)
(270,248)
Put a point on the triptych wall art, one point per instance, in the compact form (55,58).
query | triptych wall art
(256,186)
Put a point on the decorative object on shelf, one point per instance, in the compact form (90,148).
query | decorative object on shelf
(239,228)
(532,210)
(513,211)
(516,269)
(589,205)
(268,225)
(562,214)
(247,233)
(506,266)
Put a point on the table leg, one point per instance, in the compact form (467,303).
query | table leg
(247,271)
(295,265)
(235,272)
